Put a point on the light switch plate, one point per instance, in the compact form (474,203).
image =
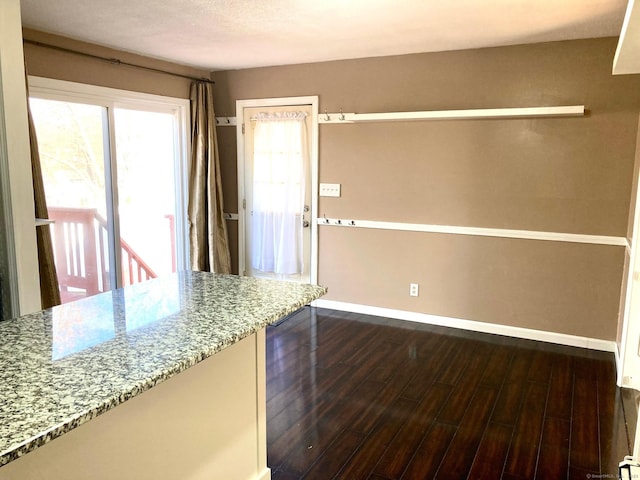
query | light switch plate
(329,189)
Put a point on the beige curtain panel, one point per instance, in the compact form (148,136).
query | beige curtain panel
(208,238)
(49,289)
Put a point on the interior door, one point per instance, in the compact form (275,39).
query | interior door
(277,220)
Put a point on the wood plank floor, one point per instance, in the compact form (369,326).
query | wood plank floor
(359,397)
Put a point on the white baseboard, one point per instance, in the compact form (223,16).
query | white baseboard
(493,328)
(618,366)
(264,475)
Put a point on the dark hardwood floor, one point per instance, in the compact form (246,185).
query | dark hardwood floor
(359,397)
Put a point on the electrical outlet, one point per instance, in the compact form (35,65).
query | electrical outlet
(413,289)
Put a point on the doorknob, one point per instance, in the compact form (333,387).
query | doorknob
(305,224)
(306,208)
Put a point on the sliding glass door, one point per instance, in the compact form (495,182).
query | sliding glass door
(147,178)
(113,177)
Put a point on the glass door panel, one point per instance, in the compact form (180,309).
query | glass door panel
(73,144)
(147,180)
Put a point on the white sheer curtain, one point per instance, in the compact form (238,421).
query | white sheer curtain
(278,192)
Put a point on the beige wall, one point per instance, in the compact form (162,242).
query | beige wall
(558,175)
(45,62)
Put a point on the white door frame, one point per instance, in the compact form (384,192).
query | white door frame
(628,361)
(279,102)
(628,356)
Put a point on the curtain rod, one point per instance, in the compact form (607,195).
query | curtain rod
(115,61)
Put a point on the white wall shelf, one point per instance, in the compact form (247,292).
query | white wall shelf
(476,231)
(475,114)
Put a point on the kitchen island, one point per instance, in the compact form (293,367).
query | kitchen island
(160,380)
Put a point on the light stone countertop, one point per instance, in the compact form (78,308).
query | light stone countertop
(64,366)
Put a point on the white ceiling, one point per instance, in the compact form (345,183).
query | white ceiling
(233,34)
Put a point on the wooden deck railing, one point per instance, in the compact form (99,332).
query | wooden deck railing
(134,268)
(82,254)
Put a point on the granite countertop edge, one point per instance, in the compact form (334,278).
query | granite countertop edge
(16,451)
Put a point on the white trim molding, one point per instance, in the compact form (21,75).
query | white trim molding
(474,114)
(226,121)
(477,231)
(17,183)
(618,365)
(625,60)
(51,88)
(563,111)
(472,325)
